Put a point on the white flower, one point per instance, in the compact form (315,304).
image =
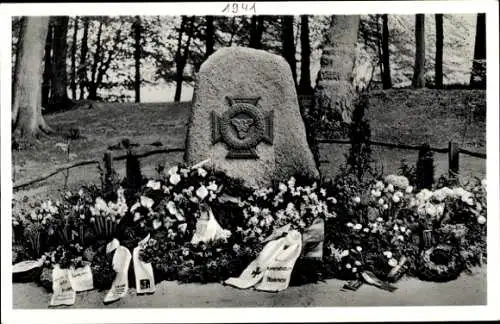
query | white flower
(137,216)
(147,202)
(381,201)
(376,193)
(202,192)
(359,248)
(134,207)
(345,253)
(409,189)
(322,191)
(354,269)
(212,186)
(388,254)
(156,224)
(400,237)
(396,227)
(366,229)
(424,195)
(440,210)
(182,227)
(174,179)
(390,187)
(349,224)
(481,220)
(291,182)
(348,266)
(282,187)
(155,185)
(357,200)
(479,207)
(385,206)
(441,194)
(173,170)
(396,198)
(393,262)
(431,210)
(358,226)
(402,228)
(332,199)
(357,263)
(100,204)
(380,219)
(379,185)
(202,172)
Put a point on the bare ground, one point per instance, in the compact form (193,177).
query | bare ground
(464,291)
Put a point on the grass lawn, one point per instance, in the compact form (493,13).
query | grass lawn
(397,116)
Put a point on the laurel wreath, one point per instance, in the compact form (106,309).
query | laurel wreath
(432,271)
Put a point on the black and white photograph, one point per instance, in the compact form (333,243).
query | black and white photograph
(255,161)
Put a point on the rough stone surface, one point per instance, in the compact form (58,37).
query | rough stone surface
(238,72)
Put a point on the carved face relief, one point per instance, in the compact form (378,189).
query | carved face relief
(242,127)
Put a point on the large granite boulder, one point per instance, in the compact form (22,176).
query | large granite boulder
(246,119)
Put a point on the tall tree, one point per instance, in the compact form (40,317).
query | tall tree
(137,28)
(27,117)
(82,69)
(73,58)
(478,75)
(181,57)
(288,46)
(59,91)
(438,69)
(334,92)
(47,71)
(418,80)
(256,31)
(386,77)
(209,36)
(305,57)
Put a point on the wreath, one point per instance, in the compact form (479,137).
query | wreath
(440,263)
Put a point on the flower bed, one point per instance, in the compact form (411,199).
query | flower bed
(385,227)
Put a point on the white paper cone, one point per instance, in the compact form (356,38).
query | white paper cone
(121,263)
(81,278)
(207,227)
(255,270)
(279,269)
(144,277)
(63,293)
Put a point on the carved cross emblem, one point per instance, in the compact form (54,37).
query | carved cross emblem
(242,127)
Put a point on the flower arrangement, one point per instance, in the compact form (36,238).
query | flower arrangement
(384,227)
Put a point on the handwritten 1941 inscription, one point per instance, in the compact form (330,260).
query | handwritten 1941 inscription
(242,127)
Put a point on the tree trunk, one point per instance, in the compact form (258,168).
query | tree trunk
(256,31)
(97,59)
(59,91)
(209,42)
(178,59)
(47,72)
(478,75)
(438,72)
(137,57)
(305,57)
(288,44)
(73,59)
(27,117)
(419,68)
(182,58)
(386,77)
(334,91)
(82,69)
(379,47)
